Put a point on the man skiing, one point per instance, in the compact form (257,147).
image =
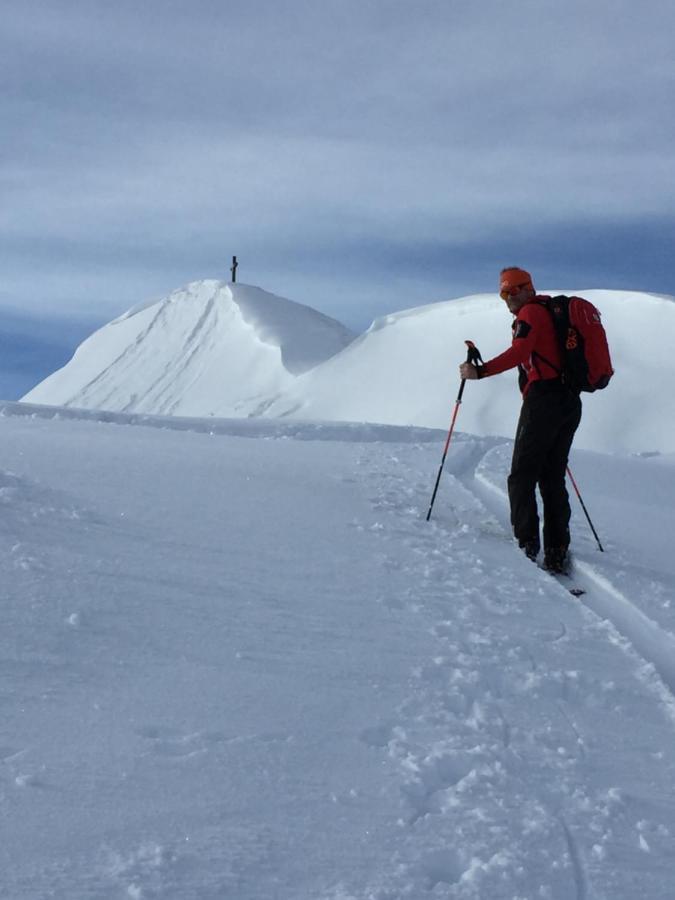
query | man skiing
(549,418)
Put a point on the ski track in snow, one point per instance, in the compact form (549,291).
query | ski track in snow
(456,745)
(466,753)
(654,644)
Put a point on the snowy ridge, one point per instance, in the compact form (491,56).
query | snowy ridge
(237,351)
(253,427)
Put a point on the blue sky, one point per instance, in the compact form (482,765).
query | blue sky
(360,156)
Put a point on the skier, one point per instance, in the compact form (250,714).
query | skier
(549,418)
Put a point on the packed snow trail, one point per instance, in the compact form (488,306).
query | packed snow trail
(521,688)
(655,643)
(247,667)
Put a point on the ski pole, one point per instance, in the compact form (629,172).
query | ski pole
(583,506)
(472,356)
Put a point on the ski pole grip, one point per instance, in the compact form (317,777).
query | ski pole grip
(473,353)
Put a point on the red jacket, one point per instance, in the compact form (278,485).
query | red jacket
(534,348)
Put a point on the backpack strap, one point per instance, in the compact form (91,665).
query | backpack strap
(544,360)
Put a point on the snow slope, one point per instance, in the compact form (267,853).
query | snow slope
(404,371)
(207,349)
(237,662)
(213,349)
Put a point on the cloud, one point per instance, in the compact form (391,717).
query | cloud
(31,349)
(146,143)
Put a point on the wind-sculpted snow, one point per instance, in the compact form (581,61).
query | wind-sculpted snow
(208,349)
(250,668)
(305,337)
(352,432)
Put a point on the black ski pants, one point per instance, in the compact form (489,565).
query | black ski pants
(548,420)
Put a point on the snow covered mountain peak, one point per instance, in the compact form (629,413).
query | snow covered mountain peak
(209,348)
(304,336)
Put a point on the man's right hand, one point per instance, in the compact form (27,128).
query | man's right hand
(468,371)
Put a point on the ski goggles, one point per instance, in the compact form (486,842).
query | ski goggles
(514,289)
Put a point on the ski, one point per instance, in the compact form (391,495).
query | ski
(563,579)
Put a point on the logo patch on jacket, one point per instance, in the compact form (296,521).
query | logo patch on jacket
(522,329)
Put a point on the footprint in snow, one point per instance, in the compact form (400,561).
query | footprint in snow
(7,754)
(175,744)
(377,735)
(437,775)
(172,743)
(441,867)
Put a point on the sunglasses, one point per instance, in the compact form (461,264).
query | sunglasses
(507,292)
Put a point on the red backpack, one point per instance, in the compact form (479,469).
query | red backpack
(583,343)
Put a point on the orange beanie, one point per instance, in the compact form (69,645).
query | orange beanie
(514,277)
